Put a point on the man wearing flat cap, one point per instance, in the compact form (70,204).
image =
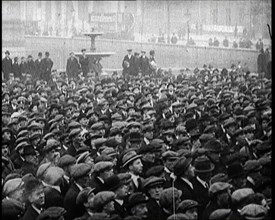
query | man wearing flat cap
(169,200)
(220,195)
(12,204)
(169,157)
(102,171)
(137,205)
(51,151)
(153,186)
(189,207)
(104,202)
(80,174)
(128,63)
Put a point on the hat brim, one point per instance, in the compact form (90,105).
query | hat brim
(212,167)
(131,159)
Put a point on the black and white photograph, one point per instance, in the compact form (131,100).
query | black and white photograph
(137,110)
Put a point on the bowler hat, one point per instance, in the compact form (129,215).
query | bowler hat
(203,165)
(235,170)
(181,165)
(112,183)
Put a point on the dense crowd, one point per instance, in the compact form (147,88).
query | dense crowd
(143,145)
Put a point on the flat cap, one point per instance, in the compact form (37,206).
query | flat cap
(155,171)
(34,126)
(74,124)
(152,181)
(74,133)
(220,214)
(213,145)
(66,160)
(129,157)
(97,126)
(12,185)
(218,187)
(102,198)
(102,166)
(103,157)
(254,212)
(219,177)
(125,177)
(170,155)
(186,205)
(229,121)
(168,196)
(84,195)
(240,194)
(81,169)
(252,165)
(81,158)
(51,144)
(136,199)
(178,216)
(110,151)
(52,213)
(133,124)
(42,169)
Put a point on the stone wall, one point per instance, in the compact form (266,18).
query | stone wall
(174,56)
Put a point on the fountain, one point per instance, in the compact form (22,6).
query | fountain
(92,54)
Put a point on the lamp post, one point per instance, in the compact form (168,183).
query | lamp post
(188,15)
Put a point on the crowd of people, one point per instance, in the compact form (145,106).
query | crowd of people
(142,145)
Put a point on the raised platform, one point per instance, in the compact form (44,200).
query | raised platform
(95,54)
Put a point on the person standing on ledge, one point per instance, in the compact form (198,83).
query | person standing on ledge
(84,62)
(47,65)
(73,67)
(128,63)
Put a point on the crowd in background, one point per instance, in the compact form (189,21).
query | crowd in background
(144,145)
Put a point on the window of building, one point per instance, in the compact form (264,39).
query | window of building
(215,16)
(228,16)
